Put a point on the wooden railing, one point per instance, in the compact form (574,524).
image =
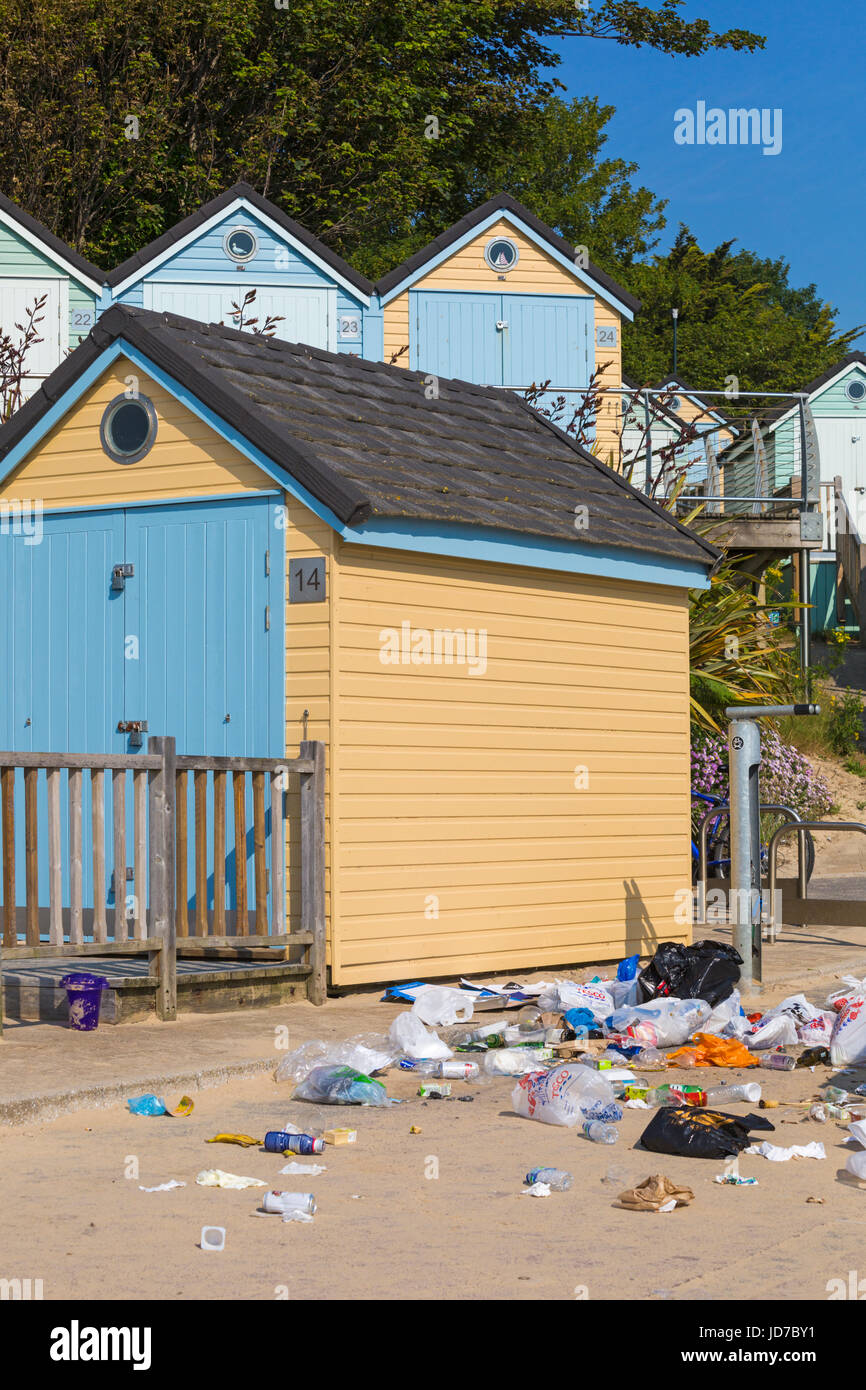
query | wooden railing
(850,560)
(160,918)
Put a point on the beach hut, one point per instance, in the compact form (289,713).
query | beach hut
(502,299)
(36,265)
(246,543)
(206,265)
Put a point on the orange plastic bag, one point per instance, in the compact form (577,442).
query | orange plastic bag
(714,1052)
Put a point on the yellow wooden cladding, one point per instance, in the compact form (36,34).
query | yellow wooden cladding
(532,814)
(536,272)
(69,468)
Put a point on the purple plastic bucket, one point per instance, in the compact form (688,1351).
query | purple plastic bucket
(84,993)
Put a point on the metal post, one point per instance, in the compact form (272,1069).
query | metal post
(805,622)
(744,761)
(648,445)
(161,856)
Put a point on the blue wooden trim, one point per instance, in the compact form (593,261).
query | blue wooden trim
(582,276)
(279,636)
(500,547)
(56,412)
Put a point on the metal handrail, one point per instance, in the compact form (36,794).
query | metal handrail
(771,923)
(725,809)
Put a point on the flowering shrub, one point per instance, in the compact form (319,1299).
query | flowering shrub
(845,721)
(786,777)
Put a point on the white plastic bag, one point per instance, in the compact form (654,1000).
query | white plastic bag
(848,1043)
(818,1032)
(839,997)
(723,1022)
(510,1061)
(780,1031)
(437,1005)
(557,1097)
(569,994)
(856,1164)
(663,1022)
(410,1038)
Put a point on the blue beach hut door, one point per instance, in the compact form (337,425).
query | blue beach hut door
(189,639)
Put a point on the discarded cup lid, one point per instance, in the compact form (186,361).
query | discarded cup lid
(213,1237)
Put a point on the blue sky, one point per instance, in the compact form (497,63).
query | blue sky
(808,203)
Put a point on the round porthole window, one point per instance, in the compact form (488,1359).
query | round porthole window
(240,244)
(128,428)
(501,253)
(855,390)
(676,404)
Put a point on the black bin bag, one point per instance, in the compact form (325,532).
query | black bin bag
(692,1133)
(707,970)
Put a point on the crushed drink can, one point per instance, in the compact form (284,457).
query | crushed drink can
(289,1201)
(279,1142)
(459,1071)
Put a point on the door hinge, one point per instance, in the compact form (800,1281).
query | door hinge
(267,563)
(267,617)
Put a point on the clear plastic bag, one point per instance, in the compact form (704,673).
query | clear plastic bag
(367,1052)
(664,1022)
(848,1043)
(341,1086)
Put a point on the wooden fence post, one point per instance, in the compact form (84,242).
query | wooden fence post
(162,786)
(313,866)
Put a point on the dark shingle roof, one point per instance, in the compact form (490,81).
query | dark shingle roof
(505,203)
(367,443)
(217,205)
(60,248)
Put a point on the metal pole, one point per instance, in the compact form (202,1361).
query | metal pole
(675,313)
(648,444)
(744,760)
(805,622)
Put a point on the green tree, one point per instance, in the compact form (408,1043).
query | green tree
(738,316)
(116,119)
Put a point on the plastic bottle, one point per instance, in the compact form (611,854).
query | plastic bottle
(556,1178)
(422,1066)
(600,1133)
(778,1061)
(529,1021)
(649,1059)
(818,1112)
(720,1095)
(836,1095)
(607,1114)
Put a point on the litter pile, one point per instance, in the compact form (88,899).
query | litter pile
(576,1055)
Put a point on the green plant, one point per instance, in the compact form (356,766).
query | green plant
(845,721)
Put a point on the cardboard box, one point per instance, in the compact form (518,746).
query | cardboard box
(340,1136)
